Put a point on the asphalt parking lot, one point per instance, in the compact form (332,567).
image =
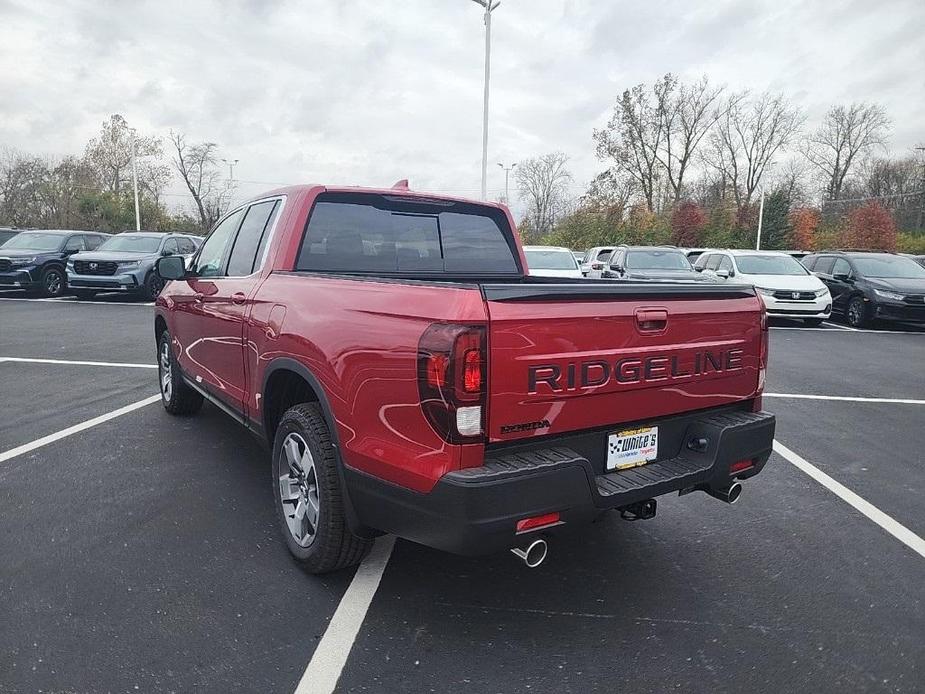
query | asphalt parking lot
(141,553)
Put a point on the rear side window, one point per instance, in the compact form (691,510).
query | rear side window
(245,256)
(366,233)
(809,262)
(604,254)
(824,265)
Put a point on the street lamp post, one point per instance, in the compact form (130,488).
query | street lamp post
(135,185)
(507,175)
(760,217)
(231,164)
(489,7)
(921,224)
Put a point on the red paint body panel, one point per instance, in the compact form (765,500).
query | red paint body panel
(359,338)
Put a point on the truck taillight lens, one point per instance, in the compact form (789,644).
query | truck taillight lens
(763,354)
(451,380)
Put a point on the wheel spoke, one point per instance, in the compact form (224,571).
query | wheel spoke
(312,507)
(293,456)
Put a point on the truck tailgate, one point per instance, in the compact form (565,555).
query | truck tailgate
(572,357)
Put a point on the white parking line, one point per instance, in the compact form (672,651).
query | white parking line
(331,654)
(893,527)
(76,429)
(844,398)
(69,362)
(72,300)
(854,330)
(840,327)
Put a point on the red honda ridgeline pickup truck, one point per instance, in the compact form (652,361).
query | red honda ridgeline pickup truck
(410,377)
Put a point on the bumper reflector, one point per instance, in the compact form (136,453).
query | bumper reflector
(740,466)
(537,522)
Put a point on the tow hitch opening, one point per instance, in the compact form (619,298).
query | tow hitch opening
(641,510)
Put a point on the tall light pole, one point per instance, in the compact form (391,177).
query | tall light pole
(135,185)
(507,175)
(489,8)
(921,224)
(231,164)
(760,217)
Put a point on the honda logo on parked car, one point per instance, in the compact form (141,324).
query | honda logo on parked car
(93,266)
(794,295)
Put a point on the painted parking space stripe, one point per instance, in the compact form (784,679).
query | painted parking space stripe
(854,330)
(76,429)
(840,327)
(72,300)
(331,654)
(845,398)
(71,362)
(892,526)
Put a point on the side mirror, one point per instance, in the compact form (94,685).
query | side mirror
(723,274)
(616,267)
(841,277)
(698,269)
(71,251)
(171,267)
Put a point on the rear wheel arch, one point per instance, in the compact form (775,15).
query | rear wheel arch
(160,325)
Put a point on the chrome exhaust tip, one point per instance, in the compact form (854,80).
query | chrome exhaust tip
(730,494)
(533,554)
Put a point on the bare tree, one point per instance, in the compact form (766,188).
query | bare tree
(109,155)
(632,139)
(747,136)
(847,133)
(543,183)
(198,167)
(687,112)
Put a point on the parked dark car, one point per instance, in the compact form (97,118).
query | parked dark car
(6,234)
(651,263)
(870,285)
(35,260)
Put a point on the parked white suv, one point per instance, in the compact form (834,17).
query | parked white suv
(788,289)
(595,261)
(552,261)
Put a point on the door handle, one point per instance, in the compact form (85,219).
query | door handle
(238,298)
(651,319)
(197,297)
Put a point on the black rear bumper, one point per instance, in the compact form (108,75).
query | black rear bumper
(475,511)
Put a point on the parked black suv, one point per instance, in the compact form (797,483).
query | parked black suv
(35,260)
(869,285)
(651,263)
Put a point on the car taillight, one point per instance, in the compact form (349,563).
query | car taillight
(763,354)
(740,466)
(451,380)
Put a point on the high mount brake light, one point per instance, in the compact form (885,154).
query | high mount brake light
(451,380)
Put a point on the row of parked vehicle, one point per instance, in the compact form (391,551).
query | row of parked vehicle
(861,286)
(55,262)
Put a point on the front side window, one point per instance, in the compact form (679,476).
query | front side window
(186,246)
(604,253)
(361,232)
(93,242)
(171,246)
(824,265)
(256,224)
(725,264)
(75,243)
(210,261)
(841,267)
(713,261)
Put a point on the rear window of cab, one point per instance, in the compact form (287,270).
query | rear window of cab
(383,234)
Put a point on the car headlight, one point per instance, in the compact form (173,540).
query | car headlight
(766,292)
(822,292)
(128,264)
(22,261)
(889,295)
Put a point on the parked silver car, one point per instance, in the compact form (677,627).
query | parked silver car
(125,263)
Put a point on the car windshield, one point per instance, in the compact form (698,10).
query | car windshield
(549,259)
(32,241)
(888,267)
(132,244)
(657,260)
(769,265)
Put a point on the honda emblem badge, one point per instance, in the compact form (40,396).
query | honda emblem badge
(93,266)
(795,295)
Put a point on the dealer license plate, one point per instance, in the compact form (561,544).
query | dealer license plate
(632,448)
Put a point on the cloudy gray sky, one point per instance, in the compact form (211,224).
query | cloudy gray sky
(367,92)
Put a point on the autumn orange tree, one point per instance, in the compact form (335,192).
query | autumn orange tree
(870,226)
(804,221)
(687,224)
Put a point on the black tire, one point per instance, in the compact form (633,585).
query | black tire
(152,287)
(327,544)
(858,312)
(177,396)
(84,294)
(812,322)
(54,282)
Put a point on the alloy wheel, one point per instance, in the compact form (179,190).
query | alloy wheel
(166,371)
(53,283)
(298,489)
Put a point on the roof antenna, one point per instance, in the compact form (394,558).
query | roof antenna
(400,185)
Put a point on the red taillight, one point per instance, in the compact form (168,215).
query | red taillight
(451,380)
(764,348)
(741,465)
(472,371)
(537,522)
